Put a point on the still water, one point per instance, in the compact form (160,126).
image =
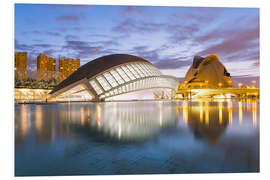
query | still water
(146,137)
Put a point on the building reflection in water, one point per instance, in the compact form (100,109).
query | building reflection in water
(129,121)
(134,121)
(209,120)
(22,124)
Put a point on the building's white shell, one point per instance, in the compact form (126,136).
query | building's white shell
(111,77)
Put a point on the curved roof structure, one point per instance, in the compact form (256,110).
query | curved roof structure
(113,75)
(96,66)
(209,72)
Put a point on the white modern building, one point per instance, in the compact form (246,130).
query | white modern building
(115,77)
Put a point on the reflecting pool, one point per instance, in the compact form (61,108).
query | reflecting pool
(141,137)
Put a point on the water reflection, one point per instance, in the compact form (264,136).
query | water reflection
(129,121)
(207,120)
(105,138)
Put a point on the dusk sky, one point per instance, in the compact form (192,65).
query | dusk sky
(169,37)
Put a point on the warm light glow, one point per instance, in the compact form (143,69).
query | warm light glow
(240,84)
(98,115)
(201,112)
(230,112)
(206,113)
(160,113)
(88,113)
(24,120)
(219,97)
(254,114)
(185,112)
(240,112)
(119,130)
(220,106)
(38,122)
(219,84)
(82,116)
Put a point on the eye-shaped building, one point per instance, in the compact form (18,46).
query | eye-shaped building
(115,77)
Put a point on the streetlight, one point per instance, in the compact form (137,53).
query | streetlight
(253,82)
(240,84)
(219,85)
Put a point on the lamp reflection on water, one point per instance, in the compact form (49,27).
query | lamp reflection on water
(254,114)
(185,111)
(24,120)
(240,112)
(201,112)
(212,125)
(82,116)
(220,107)
(206,113)
(132,120)
(98,115)
(39,120)
(229,106)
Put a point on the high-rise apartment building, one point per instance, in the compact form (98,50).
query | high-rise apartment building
(46,67)
(21,65)
(68,66)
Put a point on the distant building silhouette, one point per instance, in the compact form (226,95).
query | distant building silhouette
(20,65)
(68,66)
(46,67)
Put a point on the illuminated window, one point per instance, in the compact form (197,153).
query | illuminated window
(123,74)
(102,96)
(120,90)
(142,68)
(117,76)
(78,96)
(146,68)
(110,79)
(126,70)
(133,71)
(96,87)
(124,88)
(111,93)
(127,87)
(102,81)
(138,69)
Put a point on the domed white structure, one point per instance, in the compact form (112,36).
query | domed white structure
(207,72)
(115,77)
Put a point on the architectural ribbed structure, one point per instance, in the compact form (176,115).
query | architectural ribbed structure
(115,77)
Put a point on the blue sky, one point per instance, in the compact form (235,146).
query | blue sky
(169,37)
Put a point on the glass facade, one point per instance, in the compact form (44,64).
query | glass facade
(122,79)
(77,93)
